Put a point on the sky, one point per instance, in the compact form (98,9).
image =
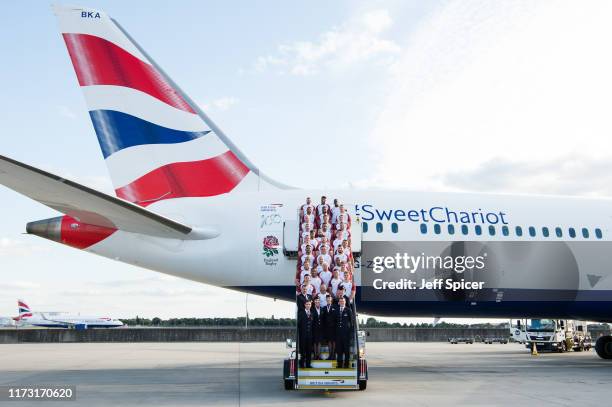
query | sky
(508,97)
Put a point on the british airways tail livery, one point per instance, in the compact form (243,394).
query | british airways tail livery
(190,204)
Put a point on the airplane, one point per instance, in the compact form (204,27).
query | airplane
(61,319)
(189,203)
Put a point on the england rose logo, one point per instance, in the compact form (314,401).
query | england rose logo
(270,246)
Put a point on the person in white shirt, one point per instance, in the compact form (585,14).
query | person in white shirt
(315,280)
(324,255)
(310,289)
(335,210)
(342,219)
(323,295)
(346,217)
(306,228)
(337,241)
(306,248)
(338,269)
(334,283)
(346,248)
(324,223)
(323,206)
(308,258)
(345,234)
(340,256)
(307,205)
(324,242)
(313,241)
(323,218)
(348,284)
(324,232)
(309,215)
(304,270)
(325,275)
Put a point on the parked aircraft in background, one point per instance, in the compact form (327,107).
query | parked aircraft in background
(190,204)
(61,319)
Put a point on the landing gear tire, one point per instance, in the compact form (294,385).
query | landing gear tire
(603,347)
(363,384)
(289,384)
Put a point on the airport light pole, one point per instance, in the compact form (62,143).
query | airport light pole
(246,305)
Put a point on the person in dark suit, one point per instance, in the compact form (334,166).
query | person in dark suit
(317,332)
(305,332)
(302,297)
(344,325)
(340,294)
(328,316)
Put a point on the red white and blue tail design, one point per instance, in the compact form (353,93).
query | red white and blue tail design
(156,142)
(24,311)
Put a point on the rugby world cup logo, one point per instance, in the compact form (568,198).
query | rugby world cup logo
(270,246)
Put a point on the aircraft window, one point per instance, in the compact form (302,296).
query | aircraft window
(478,230)
(437,229)
(423,229)
(532,231)
(558,232)
(364,227)
(379,227)
(585,233)
(492,230)
(598,233)
(505,230)
(572,232)
(545,231)
(519,231)
(394,227)
(464,229)
(451,229)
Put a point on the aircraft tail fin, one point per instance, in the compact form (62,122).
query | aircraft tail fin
(25,311)
(157,143)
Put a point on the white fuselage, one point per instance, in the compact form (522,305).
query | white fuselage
(234,259)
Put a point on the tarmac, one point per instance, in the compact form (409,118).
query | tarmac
(250,374)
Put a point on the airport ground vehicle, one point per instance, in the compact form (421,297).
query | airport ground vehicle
(324,374)
(492,340)
(517,330)
(457,340)
(559,335)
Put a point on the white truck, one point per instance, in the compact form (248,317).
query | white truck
(517,330)
(558,335)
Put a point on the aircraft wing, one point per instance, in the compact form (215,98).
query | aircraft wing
(91,206)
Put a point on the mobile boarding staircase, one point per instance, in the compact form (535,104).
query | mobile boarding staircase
(324,374)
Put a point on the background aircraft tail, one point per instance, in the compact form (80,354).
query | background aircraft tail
(24,311)
(156,142)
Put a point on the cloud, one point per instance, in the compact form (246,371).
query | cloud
(66,112)
(220,104)
(569,175)
(16,247)
(224,103)
(17,285)
(356,41)
(487,91)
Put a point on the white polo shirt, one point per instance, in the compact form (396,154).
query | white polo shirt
(326,258)
(316,283)
(308,258)
(325,276)
(335,282)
